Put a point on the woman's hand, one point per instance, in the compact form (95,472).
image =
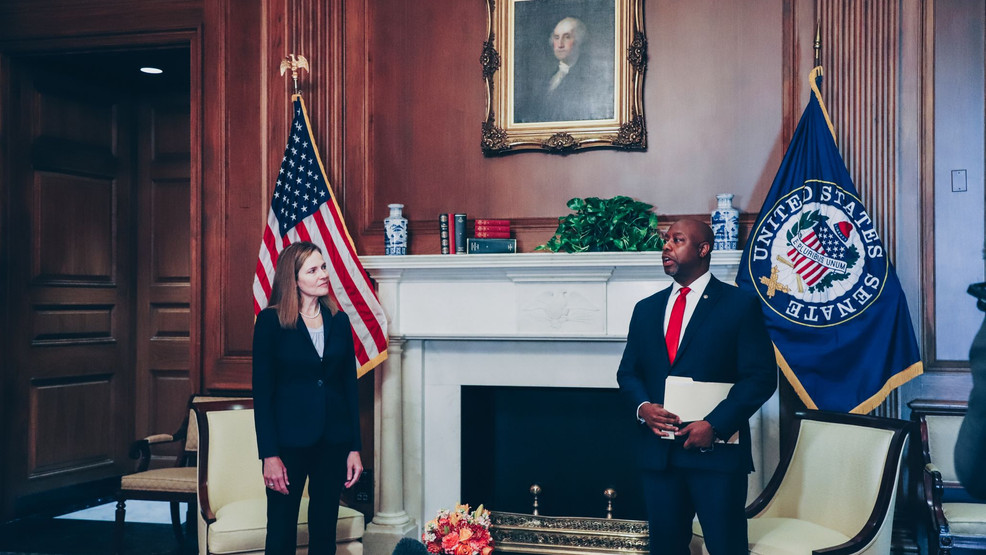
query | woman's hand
(276,476)
(354,468)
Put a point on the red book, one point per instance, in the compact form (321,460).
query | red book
(451,234)
(487,221)
(482,227)
(491,234)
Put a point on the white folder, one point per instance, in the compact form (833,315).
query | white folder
(691,400)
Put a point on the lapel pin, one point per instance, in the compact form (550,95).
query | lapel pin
(705,296)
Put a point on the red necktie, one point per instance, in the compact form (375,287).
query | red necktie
(674,325)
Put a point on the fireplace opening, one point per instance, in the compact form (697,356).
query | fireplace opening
(573,442)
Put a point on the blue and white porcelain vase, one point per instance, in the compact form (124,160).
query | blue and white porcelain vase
(395,231)
(725,223)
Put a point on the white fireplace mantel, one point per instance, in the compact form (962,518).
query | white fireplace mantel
(520,296)
(534,319)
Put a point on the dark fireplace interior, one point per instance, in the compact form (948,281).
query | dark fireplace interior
(573,442)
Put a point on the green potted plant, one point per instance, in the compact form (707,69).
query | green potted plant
(598,225)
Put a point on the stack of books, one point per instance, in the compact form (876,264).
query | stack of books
(491,236)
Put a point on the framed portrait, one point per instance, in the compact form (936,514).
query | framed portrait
(564,75)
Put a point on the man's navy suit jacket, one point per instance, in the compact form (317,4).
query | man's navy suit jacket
(725,341)
(299,398)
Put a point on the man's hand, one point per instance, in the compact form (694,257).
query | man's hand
(698,435)
(657,419)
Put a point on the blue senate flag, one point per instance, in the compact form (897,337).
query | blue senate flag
(832,301)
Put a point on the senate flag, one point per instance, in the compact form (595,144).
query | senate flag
(303,208)
(834,307)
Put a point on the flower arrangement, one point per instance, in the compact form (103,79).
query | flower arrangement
(459,532)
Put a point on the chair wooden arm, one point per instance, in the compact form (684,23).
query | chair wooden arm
(140,450)
(934,489)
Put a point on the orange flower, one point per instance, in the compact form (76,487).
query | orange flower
(463,549)
(487,550)
(450,541)
(464,534)
(454,519)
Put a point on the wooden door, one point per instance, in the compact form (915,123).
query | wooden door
(163,264)
(71,310)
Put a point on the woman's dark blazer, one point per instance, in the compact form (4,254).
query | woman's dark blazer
(297,398)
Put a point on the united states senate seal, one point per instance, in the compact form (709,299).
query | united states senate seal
(816,258)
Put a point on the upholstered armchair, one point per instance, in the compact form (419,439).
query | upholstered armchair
(174,484)
(953,518)
(232,499)
(834,489)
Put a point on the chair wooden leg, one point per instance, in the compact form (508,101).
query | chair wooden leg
(190,521)
(121,515)
(176,521)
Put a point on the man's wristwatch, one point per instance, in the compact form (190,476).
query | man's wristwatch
(715,434)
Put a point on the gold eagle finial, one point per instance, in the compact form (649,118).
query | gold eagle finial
(294,63)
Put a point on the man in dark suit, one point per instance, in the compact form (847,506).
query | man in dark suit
(970,448)
(709,331)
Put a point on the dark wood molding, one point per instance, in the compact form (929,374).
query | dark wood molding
(927,199)
(25,21)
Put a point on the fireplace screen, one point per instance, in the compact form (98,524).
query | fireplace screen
(573,443)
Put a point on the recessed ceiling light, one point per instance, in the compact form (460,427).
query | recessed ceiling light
(151,70)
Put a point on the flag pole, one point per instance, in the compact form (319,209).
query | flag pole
(818,44)
(294,63)
(816,75)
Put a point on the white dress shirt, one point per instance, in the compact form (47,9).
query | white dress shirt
(696,290)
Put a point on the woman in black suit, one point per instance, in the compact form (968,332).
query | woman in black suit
(305,401)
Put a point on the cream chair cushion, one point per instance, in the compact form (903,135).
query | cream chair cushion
(180,479)
(777,536)
(943,430)
(965,519)
(241,526)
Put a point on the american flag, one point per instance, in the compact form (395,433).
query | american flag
(303,208)
(822,240)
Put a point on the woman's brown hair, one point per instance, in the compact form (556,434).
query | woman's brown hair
(289,263)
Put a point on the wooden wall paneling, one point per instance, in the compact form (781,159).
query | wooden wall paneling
(245,181)
(59,26)
(234,104)
(951,55)
(163,269)
(70,365)
(415,100)
(356,68)
(196,243)
(860,54)
(25,20)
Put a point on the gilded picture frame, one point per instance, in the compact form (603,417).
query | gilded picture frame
(564,75)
